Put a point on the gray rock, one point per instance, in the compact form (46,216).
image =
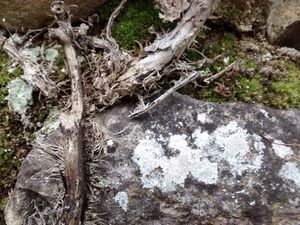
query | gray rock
(188,162)
(36,14)
(283,24)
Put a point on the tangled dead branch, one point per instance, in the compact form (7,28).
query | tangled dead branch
(113,74)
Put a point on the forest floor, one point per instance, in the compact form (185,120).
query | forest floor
(265,74)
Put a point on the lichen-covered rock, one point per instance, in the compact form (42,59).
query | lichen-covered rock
(283,23)
(36,14)
(188,162)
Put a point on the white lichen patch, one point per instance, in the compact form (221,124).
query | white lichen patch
(265,113)
(166,173)
(110,143)
(19,97)
(33,54)
(122,199)
(230,145)
(235,144)
(51,54)
(281,150)
(203,118)
(290,171)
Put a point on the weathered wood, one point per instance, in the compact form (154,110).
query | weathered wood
(71,121)
(163,50)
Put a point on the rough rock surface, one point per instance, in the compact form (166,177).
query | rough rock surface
(36,14)
(188,162)
(283,23)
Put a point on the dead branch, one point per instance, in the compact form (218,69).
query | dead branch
(35,74)
(72,120)
(219,74)
(114,14)
(142,108)
(161,52)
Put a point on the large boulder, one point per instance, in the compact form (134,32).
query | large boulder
(283,23)
(36,13)
(188,162)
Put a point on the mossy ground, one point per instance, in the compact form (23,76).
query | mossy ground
(278,89)
(10,134)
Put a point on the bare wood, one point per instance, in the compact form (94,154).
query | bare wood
(143,108)
(173,44)
(71,122)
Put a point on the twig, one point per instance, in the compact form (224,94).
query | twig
(219,74)
(114,14)
(142,108)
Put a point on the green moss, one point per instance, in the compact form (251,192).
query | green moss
(280,91)
(6,76)
(105,11)
(2,207)
(9,164)
(250,65)
(133,23)
(229,9)
(286,92)
(224,45)
(250,90)
(281,94)
(192,55)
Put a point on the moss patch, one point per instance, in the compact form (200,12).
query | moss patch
(6,75)
(133,22)
(279,89)
(285,93)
